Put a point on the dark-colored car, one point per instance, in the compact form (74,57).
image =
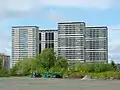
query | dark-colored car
(57,76)
(36,75)
(52,75)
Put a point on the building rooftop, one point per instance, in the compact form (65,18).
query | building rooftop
(97,27)
(69,22)
(23,26)
(48,30)
(2,54)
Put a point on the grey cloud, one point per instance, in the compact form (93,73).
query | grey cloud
(114,57)
(116,49)
(5,43)
(24,8)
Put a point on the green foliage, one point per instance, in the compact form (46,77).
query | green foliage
(25,66)
(4,73)
(43,63)
(102,67)
(47,58)
(34,64)
(86,68)
(113,65)
(76,75)
(16,69)
(54,70)
(13,71)
(48,62)
(82,68)
(61,62)
(92,67)
(21,68)
(106,75)
(41,70)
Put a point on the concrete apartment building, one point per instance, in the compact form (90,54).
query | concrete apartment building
(24,42)
(48,39)
(79,43)
(72,40)
(5,61)
(96,44)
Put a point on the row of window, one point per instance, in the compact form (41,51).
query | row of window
(47,45)
(49,36)
(72,51)
(71,30)
(72,56)
(71,26)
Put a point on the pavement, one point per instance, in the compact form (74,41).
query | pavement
(57,84)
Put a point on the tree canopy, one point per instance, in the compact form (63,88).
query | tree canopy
(48,62)
(44,62)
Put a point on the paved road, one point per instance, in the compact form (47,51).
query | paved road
(57,84)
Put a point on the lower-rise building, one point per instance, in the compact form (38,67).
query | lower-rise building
(5,61)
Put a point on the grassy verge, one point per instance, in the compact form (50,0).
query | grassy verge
(106,75)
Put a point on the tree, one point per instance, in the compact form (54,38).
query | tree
(62,62)
(14,69)
(22,67)
(34,64)
(44,62)
(26,66)
(47,58)
(82,68)
(113,65)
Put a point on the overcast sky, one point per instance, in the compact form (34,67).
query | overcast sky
(46,14)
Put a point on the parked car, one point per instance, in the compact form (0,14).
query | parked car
(36,75)
(57,76)
(52,75)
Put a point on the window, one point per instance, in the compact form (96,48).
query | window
(40,36)
(52,36)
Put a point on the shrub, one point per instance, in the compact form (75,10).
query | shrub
(106,75)
(76,75)
(4,73)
